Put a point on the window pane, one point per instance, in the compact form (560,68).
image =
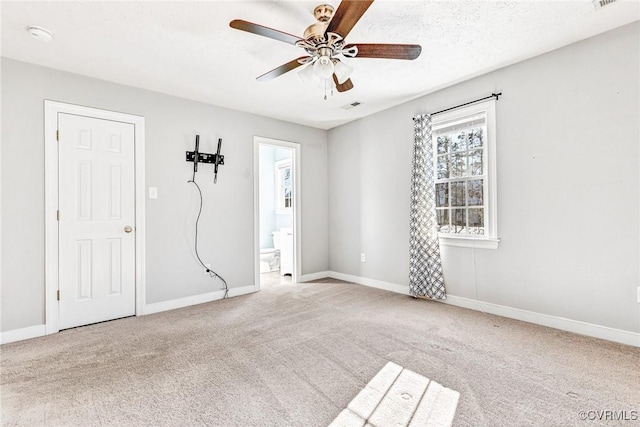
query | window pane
(458,221)
(457,193)
(474,191)
(475,162)
(458,165)
(442,195)
(476,138)
(443,144)
(459,142)
(443,166)
(286,181)
(476,221)
(443,220)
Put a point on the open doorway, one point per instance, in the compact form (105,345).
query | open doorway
(276,189)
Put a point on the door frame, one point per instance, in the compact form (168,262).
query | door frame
(297,223)
(51,111)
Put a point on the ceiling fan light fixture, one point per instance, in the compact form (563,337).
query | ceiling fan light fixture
(323,67)
(342,71)
(307,74)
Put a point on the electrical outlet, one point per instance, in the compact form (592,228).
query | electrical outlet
(363,257)
(153,192)
(638,294)
(206,270)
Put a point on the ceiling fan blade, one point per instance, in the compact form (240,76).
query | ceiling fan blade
(284,68)
(347,85)
(346,16)
(261,30)
(387,51)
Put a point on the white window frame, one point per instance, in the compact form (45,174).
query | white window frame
(280,167)
(490,239)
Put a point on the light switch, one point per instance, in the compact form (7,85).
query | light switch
(153,192)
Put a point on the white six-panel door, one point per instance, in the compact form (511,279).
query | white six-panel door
(97,220)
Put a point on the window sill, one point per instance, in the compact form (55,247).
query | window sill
(466,242)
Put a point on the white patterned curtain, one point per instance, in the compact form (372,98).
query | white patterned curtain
(425,266)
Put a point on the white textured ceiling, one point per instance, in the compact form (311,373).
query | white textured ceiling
(187,48)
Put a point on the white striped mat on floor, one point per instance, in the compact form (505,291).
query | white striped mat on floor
(400,397)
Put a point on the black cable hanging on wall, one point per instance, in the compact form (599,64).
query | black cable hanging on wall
(493,95)
(216,159)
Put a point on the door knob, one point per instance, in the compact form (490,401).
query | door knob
(128,229)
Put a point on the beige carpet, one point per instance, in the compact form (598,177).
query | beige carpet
(296,355)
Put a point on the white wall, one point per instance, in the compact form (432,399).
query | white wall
(568,187)
(226,228)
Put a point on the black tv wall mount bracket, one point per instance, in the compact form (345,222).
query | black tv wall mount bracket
(197,157)
(204,158)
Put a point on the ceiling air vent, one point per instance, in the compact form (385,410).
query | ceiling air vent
(602,3)
(350,106)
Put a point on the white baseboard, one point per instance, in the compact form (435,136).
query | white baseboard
(575,326)
(22,334)
(379,284)
(195,299)
(569,325)
(242,290)
(40,330)
(313,276)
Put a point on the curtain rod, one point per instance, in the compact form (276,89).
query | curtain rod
(493,95)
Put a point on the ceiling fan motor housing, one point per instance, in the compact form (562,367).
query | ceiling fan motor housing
(315,31)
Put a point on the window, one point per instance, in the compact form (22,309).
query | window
(464,158)
(284,193)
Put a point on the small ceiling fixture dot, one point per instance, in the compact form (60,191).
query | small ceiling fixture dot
(40,33)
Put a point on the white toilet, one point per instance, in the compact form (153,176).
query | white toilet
(270,257)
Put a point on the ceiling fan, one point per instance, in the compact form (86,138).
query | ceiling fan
(324,43)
